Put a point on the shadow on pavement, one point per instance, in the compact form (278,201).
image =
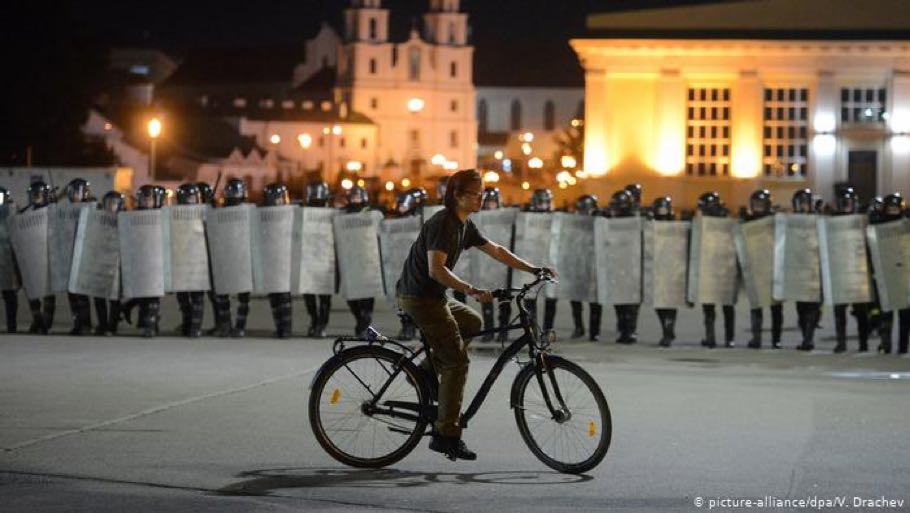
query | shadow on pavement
(264,482)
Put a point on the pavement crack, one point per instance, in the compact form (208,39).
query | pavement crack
(156,409)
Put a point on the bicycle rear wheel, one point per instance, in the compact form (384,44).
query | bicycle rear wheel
(339,411)
(574,441)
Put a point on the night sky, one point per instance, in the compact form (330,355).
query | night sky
(184,24)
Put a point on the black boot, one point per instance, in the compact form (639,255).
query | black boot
(729,325)
(186,311)
(80,312)
(626,325)
(709,315)
(903,331)
(453,447)
(101,328)
(862,326)
(486,309)
(113,319)
(579,330)
(777,324)
(149,312)
(325,306)
(806,321)
(840,328)
(755,316)
(37,325)
(243,310)
(50,307)
(221,308)
(594,317)
(11,304)
(197,310)
(309,300)
(667,318)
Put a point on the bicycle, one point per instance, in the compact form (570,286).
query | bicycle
(370,404)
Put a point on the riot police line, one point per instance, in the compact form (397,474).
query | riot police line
(621,255)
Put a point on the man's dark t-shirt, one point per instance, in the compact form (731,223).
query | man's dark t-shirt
(442,232)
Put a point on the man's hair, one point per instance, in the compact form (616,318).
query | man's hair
(458,183)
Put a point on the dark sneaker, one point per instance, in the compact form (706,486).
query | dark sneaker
(453,448)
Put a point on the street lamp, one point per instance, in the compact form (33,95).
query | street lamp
(154,129)
(416,105)
(305,141)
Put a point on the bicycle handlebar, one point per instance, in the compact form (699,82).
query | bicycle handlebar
(505,294)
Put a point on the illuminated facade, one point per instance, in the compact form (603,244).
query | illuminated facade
(736,96)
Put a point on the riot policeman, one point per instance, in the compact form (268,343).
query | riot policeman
(709,205)
(492,200)
(221,311)
(759,207)
(362,309)
(10,280)
(623,204)
(108,311)
(892,210)
(276,194)
(235,194)
(846,203)
(39,196)
(807,312)
(317,195)
(634,190)
(148,197)
(586,205)
(662,210)
(79,191)
(191,303)
(542,202)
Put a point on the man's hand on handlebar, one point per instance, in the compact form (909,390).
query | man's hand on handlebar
(481,295)
(548,270)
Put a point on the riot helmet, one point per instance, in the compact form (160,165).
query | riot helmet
(542,200)
(4,196)
(78,190)
(234,192)
(358,199)
(406,204)
(662,208)
(846,201)
(634,190)
(188,194)
(206,193)
(113,201)
(39,194)
(760,202)
(621,204)
(802,201)
(149,196)
(894,206)
(317,194)
(491,198)
(276,194)
(586,204)
(709,203)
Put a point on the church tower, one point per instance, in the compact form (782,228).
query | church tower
(445,25)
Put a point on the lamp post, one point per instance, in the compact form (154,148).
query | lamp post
(154,129)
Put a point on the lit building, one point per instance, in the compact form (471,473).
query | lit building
(735,96)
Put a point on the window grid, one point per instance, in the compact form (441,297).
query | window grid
(708,132)
(785,137)
(863,104)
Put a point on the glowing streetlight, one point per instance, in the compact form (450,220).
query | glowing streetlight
(450,165)
(567,161)
(416,105)
(405,182)
(390,186)
(563,176)
(498,155)
(581,174)
(361,182)
(438,159)
(275,139)
(526,148)
(491,176)
(336,130)
(535,163)
(346,184)
(526,137)
(305,140)
(154,128)
(525,185)
(563,185)
(354,166)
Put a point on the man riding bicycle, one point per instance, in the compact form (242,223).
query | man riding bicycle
(447,323)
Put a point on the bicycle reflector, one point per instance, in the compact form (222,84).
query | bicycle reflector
(336,396)
(592,429)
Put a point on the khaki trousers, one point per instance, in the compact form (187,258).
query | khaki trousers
(446,324)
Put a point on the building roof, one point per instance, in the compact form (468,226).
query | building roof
(761,19)
(526,63)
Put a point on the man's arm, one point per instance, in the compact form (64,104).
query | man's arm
(507,257)
(436,261)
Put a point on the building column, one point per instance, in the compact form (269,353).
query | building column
(823,149)
(746,137)
(898,176)
(596,122)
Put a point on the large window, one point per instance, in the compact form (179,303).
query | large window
(414,63)
(786,125)
(482,115)
(516,115)
(549,115)
(862,104)
(708,132)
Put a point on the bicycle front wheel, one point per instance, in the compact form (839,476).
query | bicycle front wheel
(351,422)
(573,439)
